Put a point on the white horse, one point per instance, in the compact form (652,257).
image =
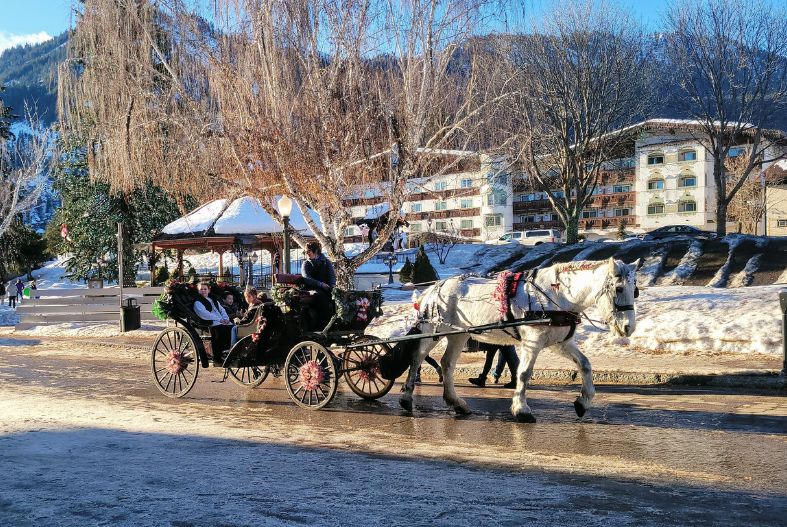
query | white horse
(459,303)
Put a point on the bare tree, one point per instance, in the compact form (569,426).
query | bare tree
(581,77)
(747,206)
(319,100)
(24,164)
(729,59)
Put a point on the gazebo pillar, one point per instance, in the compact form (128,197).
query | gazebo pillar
(221,264)
(180,264)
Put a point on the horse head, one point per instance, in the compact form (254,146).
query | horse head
(615,300)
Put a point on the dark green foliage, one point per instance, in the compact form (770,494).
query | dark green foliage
(21,250)
(406,272)
(423,271)
(191,275)
(6,116)
(161,276)
(91,213)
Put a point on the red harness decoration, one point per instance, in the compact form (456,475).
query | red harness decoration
(507,284)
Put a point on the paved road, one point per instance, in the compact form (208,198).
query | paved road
(85,439)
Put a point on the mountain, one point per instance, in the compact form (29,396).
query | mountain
(29,74)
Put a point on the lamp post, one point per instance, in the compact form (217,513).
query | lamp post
(391,261)
(285,208)
(252,260)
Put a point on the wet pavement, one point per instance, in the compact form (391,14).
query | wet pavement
(641,456)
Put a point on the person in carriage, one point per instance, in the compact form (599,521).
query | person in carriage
(319,278)
(211,310)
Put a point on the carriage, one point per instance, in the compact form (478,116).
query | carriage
(280,340)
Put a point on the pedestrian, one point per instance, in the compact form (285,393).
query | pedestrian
(19,288)
(33,287)
(2,292)
(508,355)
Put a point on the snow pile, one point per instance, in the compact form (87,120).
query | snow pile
(651,268)
(698,321)
(746,276)
(686,267)
(52,276)
(108,329)
(8,316)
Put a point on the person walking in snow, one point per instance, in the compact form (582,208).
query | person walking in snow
(19,288)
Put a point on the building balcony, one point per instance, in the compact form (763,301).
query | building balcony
(532,206)
(443,214)
(529,226)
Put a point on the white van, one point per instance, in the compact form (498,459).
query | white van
(535,237)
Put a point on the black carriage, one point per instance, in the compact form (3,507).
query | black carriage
(280,340)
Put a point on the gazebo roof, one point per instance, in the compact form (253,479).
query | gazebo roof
(221,221)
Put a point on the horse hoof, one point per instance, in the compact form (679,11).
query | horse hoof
(462,410)
(406,404)
(579,408)
(525,418)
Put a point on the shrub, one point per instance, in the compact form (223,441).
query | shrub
(406,272)
(161,275)
(423,271)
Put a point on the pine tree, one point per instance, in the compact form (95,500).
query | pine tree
(406,272)
(91,213)
(6,116)
(21,250)
(423,271)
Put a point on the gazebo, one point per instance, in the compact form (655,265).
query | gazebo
(240,226)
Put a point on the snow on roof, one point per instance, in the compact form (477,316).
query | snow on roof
(243,215)
(375,211)
(198,220)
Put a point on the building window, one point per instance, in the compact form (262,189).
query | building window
(527,219)
(441,226)
(440,205)
(656,184)
(687,181)
(589,213)
(623,212)
(621,188)
(466,203)
(415,207)
(687,155)
(736,151)
(687,206)
(466,183)
(415,228)
(656,159)
(493,220)
(466,224)
(781,223)
(656,208)
(349,231)
(440,185)
(496,198)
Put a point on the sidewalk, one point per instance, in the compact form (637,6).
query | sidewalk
(751,371)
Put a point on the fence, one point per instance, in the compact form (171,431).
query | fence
(57,306)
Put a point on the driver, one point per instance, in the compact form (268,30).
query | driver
(320,279)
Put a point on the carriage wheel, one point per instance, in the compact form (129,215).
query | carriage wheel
(364,378)
(310,375)
(174,362)
(250,377)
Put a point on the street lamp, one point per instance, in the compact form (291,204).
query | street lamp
(391,261)
(285,208)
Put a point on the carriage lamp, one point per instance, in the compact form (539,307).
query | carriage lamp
(285,209)
(391,261)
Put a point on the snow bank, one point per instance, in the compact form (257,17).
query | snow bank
(109,329)
(698,321)
(686,267)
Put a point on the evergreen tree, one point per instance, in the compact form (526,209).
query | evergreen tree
(21,250)
(406,272)
(423,271)
(91,212)
(6,116)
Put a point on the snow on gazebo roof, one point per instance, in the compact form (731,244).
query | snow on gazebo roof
(243,215)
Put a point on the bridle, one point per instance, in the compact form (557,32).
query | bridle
(610,289)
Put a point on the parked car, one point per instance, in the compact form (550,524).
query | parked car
(535,237)
(670,231)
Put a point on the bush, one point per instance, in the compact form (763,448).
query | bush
(161,275)
(406,272)
(423,271)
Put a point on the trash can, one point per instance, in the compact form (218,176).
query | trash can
(130,318)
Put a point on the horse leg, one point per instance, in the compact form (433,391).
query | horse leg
(571,350)
(528,352)
(454,346)
(406,399)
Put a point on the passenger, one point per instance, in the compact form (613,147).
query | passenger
(320,279)
(229,305)
(210,309)
(248,317)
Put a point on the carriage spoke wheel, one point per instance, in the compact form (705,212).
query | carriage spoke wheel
(310,375)
(174,362)
(250,377)
(363,364)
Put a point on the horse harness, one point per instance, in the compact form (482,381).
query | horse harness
(552,318)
